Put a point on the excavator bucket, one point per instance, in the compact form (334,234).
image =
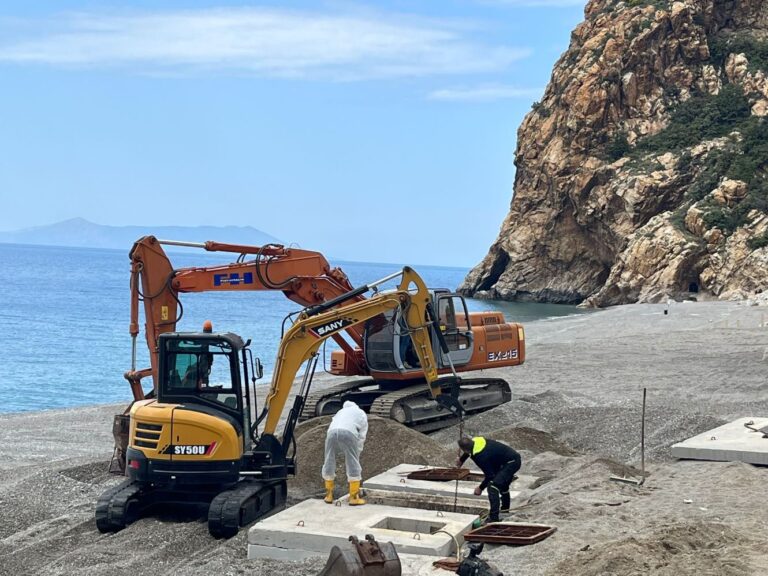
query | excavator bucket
(367,558)
(120,430)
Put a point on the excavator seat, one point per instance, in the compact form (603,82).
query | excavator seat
(367,558)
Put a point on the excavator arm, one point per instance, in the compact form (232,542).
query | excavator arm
(303,276)
(315,325)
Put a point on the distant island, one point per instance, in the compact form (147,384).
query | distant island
(78,232)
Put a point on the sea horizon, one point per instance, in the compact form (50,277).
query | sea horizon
(66,313)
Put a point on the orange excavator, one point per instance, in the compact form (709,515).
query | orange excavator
(380,350)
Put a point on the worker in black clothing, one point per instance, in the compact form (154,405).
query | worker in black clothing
(499,463)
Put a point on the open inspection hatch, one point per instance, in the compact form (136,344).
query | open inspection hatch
(410,525)
(510,533)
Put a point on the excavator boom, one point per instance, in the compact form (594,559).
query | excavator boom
(305,337)
(303,276)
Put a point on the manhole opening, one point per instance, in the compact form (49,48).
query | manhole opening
(410,525)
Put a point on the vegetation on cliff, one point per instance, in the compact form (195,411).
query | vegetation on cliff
(641,174)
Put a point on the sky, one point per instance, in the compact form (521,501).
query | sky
(370,131)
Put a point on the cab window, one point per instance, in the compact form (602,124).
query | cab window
(202,370)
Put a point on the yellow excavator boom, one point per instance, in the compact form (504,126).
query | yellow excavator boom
(306,336)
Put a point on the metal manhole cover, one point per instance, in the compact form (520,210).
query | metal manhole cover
(439,474)
(510,533)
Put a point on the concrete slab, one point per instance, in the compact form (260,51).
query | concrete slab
(436,502)
(732,442)
(312,528)
(415,565)
(395,480)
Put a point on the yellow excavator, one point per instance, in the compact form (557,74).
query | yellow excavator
(199,440)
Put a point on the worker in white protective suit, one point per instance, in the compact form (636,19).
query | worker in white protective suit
(346,435)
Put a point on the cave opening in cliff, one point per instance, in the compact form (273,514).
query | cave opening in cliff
(693,287)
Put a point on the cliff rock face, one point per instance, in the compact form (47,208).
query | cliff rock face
(641,174)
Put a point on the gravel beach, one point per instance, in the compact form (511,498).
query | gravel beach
(575,416)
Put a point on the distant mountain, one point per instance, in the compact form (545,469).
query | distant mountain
(78,232)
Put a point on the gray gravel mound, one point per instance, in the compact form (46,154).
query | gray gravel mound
(532,440)
(388,444)
(700,548)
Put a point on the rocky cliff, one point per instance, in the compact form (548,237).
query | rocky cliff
(641,174)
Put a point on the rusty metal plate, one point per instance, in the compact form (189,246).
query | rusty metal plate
(510,533)
(447,564)
(439,474)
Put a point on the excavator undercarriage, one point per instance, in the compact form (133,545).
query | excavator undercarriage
(228,510)
(412,405)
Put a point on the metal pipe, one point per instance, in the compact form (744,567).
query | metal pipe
(642,441)
(385,279)
(133,353)
(182,243)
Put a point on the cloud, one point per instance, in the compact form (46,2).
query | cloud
(484,93)
(261,41)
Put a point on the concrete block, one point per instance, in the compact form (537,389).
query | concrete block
(395,480)
(416,565)
(312,528)
(731,442)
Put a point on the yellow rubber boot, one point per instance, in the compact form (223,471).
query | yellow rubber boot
(328,492)
(354,494)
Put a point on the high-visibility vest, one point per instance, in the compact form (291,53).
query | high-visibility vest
(478,444)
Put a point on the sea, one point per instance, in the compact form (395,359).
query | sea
(64,316)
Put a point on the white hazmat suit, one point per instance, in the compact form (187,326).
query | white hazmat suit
(346,435)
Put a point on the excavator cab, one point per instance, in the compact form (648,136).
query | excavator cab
(388,346)
(453,322)
(203,369)
(199,427)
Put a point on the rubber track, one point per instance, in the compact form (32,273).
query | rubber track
(224,517)
(384,405)
(315,397)
(112,506)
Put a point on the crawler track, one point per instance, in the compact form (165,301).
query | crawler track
(414,407)
(243,504)
(119,506)
(315,398)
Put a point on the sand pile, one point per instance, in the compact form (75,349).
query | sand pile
(388,444)
(575,424)
(531,440)
(570,488)
(700,548)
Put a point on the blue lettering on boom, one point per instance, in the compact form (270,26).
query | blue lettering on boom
(232,279)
